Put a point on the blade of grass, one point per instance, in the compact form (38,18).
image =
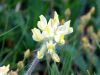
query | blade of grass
(8,31)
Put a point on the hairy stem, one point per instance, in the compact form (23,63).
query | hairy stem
(32,66)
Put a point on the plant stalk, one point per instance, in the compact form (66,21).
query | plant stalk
(32,66)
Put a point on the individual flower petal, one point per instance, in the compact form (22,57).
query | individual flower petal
(67,24)
(40,55)
(42,23)
(65,29)
(50,23)
(37,36)
(70,30)
(55,57)
(60,38)
(56,19)
(41,52)
(43,19)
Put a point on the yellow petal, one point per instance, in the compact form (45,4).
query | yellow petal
(41,52)
(43,19)
(50,45)
(67,24)
(41,25)
(56,19)
(40,55)
(70,30)
(55,57)
(37,36)
(60,38)
(50,23)
(65,29)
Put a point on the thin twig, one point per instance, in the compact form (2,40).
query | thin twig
(88,72)
(32,66)
(18,6)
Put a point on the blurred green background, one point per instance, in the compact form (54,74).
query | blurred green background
(18,17)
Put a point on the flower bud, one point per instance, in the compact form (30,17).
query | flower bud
(94,36)
(88,16)
(85,18)
(62,22)
(40,54)
(90,30)
(84,39)
(85,42)
(27,53)
(92,10)
(68,12)
(55,57)
(86,46)
(80,28)
(13,73)
(20,65)
(98,34)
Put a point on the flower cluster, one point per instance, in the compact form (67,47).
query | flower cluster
(51,33)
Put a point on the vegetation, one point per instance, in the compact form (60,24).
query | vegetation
(78,56)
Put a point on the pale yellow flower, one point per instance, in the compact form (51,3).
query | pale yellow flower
(4,70)
(51,33)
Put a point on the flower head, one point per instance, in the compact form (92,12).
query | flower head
(53,32)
